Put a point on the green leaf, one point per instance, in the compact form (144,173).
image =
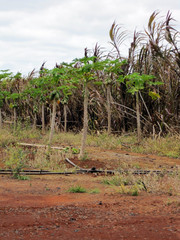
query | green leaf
(154,95)
(98,83)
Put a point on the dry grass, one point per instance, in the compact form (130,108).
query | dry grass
(151,183)
(164,146)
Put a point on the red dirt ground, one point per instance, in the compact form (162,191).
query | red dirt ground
(41,208)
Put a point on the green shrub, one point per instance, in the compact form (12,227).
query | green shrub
(77,189)
(17,160)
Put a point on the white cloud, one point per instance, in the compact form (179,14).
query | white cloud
(54,31)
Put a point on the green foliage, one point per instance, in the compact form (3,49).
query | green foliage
(17,160)
(75,150)
(77,189)
(154,95)
(117,180)
(136,82)
(55,95)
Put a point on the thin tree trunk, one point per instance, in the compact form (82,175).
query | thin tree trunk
(0,118)
(15,118)
(138,117)
(109,108)
(34,121)
(52,121)
(85,123)
(43,119)
(65,117)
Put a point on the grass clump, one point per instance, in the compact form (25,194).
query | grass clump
(116,180)
(164,146)
(77,189)
(151,183)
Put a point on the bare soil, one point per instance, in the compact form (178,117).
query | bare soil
(42,207)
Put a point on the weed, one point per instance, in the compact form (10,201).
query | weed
(17,160)
(135,192)
(117,180)
(95,191)
(85,157)
(75,151)
(77,189)
(173,202)
(66,149)
(23,177)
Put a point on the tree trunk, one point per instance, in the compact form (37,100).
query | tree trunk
(109,107)
(0,118)
(15,118)
(65,117)
(52,122)
(43,119)
(85,123)
(34,121)
(138,117)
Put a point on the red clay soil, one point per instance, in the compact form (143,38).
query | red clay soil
(42,207)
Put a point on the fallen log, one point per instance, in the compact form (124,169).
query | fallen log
(39,146)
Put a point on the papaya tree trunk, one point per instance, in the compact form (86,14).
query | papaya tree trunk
(138,117)
(34,121)
(0,118)
(15,118)
(109,108)
(43,119)
(85,123)
(52,122)
(65,117)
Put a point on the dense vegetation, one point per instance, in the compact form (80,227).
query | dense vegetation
(109,92)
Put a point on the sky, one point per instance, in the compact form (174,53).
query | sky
(35,31)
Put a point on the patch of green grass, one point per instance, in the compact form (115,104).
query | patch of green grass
(116,180)
(23,177)
(77,189)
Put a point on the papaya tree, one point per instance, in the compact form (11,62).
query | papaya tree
(55,96)
(14,99)
(57,77)
(112,72)
(3,95)
(135,84)
(68,83)
(5,76)
(87,74)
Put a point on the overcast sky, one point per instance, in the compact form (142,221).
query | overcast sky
(35,31)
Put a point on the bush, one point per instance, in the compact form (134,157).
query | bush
(17,160)
(77,189)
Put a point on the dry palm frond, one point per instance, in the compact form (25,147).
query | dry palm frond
(97,52)
(31,74)
(117,37)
